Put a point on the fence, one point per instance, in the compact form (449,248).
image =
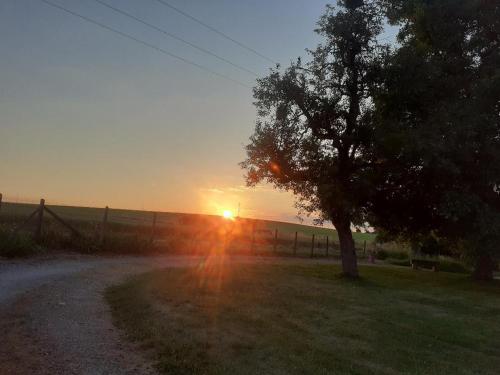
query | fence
(107,228)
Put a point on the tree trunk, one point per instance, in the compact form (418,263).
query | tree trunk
(347,248)
(484,268)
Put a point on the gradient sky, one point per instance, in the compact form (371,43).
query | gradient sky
(91,118)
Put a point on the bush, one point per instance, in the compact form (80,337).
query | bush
(17,245)
(385,254)
(447,265)
(401,255)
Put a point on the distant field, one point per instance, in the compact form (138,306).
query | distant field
(189,224)
(257,319)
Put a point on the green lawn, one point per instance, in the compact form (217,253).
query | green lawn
(259,319)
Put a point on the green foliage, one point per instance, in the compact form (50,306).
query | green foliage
(315,125)
(448,265)
(383,254)
(438,133)
(17,245)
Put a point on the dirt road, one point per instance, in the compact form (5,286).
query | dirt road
(54,320)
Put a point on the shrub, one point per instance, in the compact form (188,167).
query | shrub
(383,254)
(17,245)
(450,265)
(401,255)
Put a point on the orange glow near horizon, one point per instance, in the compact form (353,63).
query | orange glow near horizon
(227,214)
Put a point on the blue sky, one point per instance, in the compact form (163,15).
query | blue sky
(91,118)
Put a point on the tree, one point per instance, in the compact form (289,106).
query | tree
(438,133)
(315,123)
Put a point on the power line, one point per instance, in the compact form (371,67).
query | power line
(211,28)
(144,43)
(163,31)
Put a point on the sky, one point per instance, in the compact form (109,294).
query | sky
(91,118)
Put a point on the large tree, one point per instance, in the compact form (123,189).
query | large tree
(438,145)
(314,131)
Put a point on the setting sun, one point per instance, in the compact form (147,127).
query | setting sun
(227,214)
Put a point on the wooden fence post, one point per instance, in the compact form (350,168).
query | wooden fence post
(327,245)
(252,246)
(74,232)
(153,228)
(1,202)
(104,224)
(38,228)
(295,244)
(275,245)
(312,247)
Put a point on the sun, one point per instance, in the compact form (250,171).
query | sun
(227,214)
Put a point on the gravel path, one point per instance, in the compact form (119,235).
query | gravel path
(54,320)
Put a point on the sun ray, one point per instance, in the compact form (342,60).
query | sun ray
(227,214)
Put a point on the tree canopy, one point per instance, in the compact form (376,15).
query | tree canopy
(315,127)
(438,127)
(407,138)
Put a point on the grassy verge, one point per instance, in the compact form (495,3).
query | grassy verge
(19,245)
(221,319)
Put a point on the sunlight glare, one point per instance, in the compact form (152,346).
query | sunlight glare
(227,214)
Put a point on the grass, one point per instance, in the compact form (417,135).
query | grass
(167,219)
(446,264)
(17,245)
(179,233)
(248,319)
(119,239)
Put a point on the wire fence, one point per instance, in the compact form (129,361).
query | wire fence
(118,230)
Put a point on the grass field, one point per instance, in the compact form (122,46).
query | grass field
(132,217)
(186,231)
(256,319)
